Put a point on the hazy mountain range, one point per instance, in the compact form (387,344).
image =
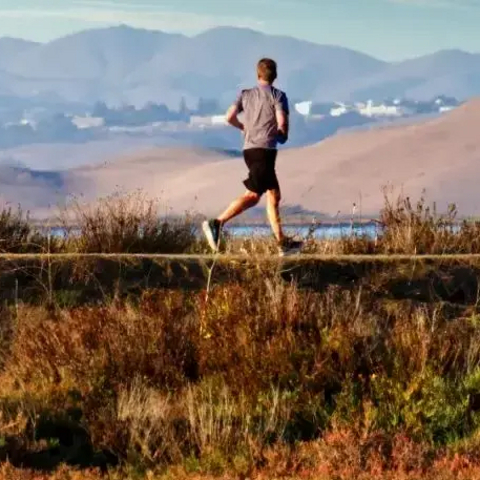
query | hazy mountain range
(127,65)
(441,155)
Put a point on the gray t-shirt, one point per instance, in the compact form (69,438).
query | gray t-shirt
(259,106)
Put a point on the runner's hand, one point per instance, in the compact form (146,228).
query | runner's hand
(281,138)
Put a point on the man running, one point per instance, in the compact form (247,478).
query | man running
(265,125)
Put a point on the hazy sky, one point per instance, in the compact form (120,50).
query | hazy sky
(389,29)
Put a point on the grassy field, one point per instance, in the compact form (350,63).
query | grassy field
(126,355)
(134,225)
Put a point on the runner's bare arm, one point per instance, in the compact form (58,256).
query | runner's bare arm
(283,124)
(232,118)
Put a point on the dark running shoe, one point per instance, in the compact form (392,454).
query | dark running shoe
(289,247)
(211,229)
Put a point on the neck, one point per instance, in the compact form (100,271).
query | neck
(263,83)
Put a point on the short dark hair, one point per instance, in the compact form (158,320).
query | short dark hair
(267,70)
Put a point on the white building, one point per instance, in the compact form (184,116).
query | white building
(445,109)
(304,108)
(382,110)
(210,121)
(22,123)
(88,122)
(219,120)
(340,109)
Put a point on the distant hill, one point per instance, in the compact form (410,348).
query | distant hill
(34,191)
(42,192)
(125,64)
(218,62)
(101,54)
(12,48)
(441,155)
(449,72)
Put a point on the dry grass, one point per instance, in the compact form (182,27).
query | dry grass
(257,379)
(341,455)
(18,236)
(418,229)
(135,224)
(409,228)
(403,227)
(262,378)
(126,224)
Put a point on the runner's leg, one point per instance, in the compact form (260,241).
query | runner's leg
(273,211)
(247,200)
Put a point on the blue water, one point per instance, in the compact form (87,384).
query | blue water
(320,232)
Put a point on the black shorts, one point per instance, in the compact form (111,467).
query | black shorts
(261,168)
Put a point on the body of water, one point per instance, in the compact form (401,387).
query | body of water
(320,232)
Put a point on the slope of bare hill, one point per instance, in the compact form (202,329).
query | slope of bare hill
(153,171)
(441,156)
(43,192)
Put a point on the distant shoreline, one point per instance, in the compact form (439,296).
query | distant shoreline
(343,222)
(304,221)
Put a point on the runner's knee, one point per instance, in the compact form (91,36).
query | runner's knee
(274,197)
(253,197)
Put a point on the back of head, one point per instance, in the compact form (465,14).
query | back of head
(267,70)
